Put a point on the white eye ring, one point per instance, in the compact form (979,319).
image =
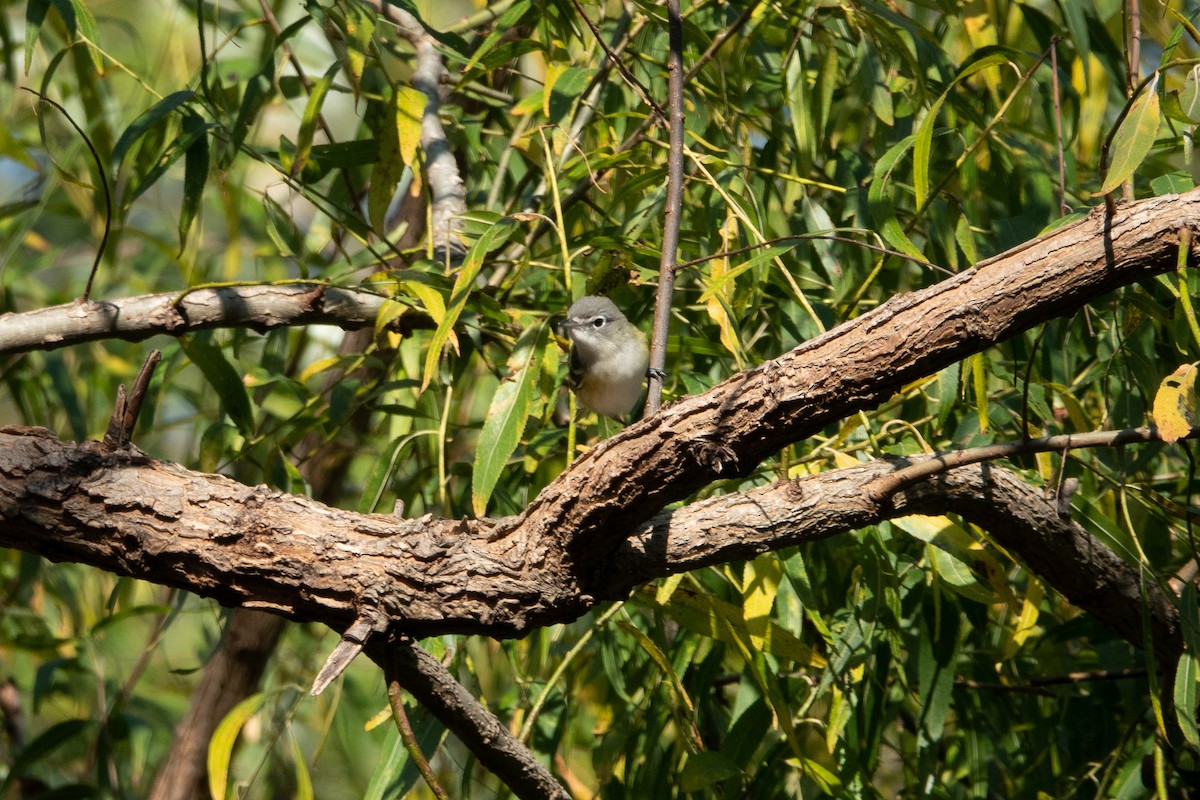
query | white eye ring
(598,322)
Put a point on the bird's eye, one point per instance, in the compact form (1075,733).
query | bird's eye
(598,322)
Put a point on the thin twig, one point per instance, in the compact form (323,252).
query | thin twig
(396,701)
(1037,685)
(87,289)
(1134,65)
(927,466)
(671,213)
(127,407)
(622,70)
(1058,129)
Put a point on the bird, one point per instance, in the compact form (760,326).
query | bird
(609,356)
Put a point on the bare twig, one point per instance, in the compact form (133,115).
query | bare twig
(1036,685)
(622,70)
(671,213)
(349,646)
(125,413)
(1135,68)
(396,701)
(932,465)
(426,679)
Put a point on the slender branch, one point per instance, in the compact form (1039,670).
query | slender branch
(259,307)
(622,70)
(87,289)
(671,213)
(396,701)
(1135,68)
(929,466)
(424,677)
(1036,685)
(720,39)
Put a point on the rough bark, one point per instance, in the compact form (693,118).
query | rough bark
(259,308)
(131,515)
(258,548)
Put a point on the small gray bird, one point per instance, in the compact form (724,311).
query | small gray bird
(609,356)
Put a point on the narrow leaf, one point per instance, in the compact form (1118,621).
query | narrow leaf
(505,421)
(463,285)
(195,173)
(879,200)
(146,120)
(1134,138)
(223,378)
(220,747)
(312,114)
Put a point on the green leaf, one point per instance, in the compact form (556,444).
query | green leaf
(220,747)
(195,172)
(259,90)
(146,120)
(799,105)
(223,378)
(87,29)
(937,648)
(505,421)
(464,284)
(879,199)
(1187,673)
(1134,138)
(1176,182)
(704,770)
(1189,95)
(1187,698)
(72,731)
(500,31)
(35,16)
(304,787)
(923,143)
(312,115)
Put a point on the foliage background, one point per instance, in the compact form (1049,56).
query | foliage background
(897,661)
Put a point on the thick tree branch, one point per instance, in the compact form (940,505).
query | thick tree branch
(1019,517)
(122,511)
(729,429)
(130,515)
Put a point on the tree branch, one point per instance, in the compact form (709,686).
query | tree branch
(424,677)
(250,546)
(124,512)
(259,307)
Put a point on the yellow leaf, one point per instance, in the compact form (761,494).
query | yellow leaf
(1175,404)
(410,110)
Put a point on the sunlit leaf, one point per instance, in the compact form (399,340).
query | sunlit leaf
(464,284)
(1134,138)
(220,746)
(1175,404)
(506,416)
